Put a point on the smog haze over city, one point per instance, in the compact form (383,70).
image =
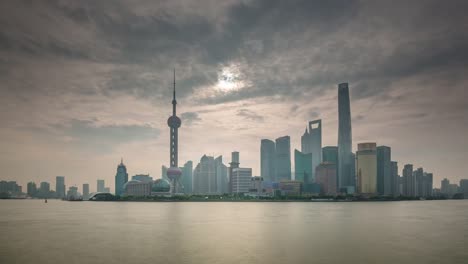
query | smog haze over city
(85,83)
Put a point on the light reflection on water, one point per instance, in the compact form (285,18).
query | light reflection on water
(233,232)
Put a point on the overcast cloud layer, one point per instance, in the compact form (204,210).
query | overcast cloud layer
(84,83)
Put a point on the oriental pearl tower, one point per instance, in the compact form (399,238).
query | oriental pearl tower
(174,122)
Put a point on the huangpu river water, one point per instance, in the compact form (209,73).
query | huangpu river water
(233,232)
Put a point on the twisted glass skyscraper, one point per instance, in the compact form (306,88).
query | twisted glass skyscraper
(346,173)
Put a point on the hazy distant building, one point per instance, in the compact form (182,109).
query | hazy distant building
(121,177)
(311,142)
(60,186)
(395,188)
(241,180)
(418,176)
(44,190)
(330,154)
(267,160)
(326,177)
(408,181)
(366,168)
(464,187)
(384,170)
(100,186)
(85,191)
(187,177)
(137,188)
(346,172)
(31,189)
(222,181)
(72,193)
(142,178)
(207,174)
(283,159)
(428,184)
(256,185)
(444,186)
(290,188)
(303,167)
(164,173)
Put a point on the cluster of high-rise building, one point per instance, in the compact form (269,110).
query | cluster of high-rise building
(333,170)
(318,170)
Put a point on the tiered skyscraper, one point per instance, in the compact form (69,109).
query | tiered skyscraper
(174,122)
(121,177)
(346,173)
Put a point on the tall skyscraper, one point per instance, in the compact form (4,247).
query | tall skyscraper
(311,142)
(384,170)
(85,191)
(187,177)
(303,167)
(100,186)
(174,172)
(428,184)
(60,186)
(408,181)
(366,168)
(121,177)
(395,178)
(419,182)
(267,160)
(346,174)
(232,165)
(330,154)
(283,159)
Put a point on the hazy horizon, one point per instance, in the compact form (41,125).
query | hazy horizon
(84,84)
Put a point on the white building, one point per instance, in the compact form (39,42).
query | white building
(241,180)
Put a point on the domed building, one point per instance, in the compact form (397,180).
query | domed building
(137,188)
(161,187)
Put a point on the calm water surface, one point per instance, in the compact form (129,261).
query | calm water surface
(139,232)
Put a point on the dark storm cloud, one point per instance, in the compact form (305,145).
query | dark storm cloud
(291,49)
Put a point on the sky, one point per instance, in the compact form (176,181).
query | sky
(86,83)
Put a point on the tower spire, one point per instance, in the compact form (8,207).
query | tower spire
(174,102)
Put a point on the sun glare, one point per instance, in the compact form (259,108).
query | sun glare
(229,78)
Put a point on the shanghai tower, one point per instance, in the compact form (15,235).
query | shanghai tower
(174,122)
(345,155)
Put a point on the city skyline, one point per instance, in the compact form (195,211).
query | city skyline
(74,104)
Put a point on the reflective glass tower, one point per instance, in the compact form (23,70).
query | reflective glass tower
(283,158)
(346,174)
(267,160)
(174,172)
